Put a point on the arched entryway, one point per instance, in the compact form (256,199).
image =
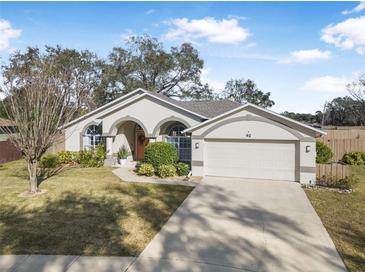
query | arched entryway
(132,135)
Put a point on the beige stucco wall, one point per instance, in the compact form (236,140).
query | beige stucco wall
(147,111)
(235,128)
(150,112)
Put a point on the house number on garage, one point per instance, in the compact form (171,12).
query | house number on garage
(248,134)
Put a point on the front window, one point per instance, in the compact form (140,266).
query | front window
(180,141)
(93,136)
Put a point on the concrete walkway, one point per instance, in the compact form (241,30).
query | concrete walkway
(60,263)
(242,225)
(126,174)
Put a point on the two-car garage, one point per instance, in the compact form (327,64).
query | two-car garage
(251,142)
(263,160)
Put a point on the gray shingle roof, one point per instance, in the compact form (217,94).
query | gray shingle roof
(208,109)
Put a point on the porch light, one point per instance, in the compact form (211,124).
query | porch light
(196,145)
(307,148)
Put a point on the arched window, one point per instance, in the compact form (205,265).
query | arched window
(93,136)
(181,142)
(176,130)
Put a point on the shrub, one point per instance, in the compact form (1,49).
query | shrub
(160,153)
(324,153)
(182,169)
(354,158)
(146,169)
(91,157)
(166,171)
(345,183)
(123,152)
(49,161)
(100,154)
(66,157)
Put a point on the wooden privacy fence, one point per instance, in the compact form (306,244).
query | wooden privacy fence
(332,170)
(8,152)
(344,139)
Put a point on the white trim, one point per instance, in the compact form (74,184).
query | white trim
(145,92)
(227,113)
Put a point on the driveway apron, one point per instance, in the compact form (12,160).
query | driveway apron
(230,224)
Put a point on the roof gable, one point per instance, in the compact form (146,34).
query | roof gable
(202,109)
(262,112)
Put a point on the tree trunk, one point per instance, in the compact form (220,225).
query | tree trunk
(33,182)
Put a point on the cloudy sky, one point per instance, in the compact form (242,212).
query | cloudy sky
(304,53)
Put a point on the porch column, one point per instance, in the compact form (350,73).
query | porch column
(108,144)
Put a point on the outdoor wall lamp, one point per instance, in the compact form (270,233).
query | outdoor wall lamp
(196,145)
(307,148)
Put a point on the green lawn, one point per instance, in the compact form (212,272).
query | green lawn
(343,215)
(86,211)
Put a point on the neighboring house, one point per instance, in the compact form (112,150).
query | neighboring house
(6,126)
(8,152)
(218,138)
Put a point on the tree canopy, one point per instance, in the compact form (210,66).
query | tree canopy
(246,91)
(144,63)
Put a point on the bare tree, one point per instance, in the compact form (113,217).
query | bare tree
(39,103)
(357,91)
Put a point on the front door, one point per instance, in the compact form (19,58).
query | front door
(142,141)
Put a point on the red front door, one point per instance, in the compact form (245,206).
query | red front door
(142,141)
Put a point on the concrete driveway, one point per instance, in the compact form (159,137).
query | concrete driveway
(229,224)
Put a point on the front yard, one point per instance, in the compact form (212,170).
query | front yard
(85,211)
(343,215)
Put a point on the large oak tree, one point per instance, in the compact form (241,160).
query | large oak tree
(247,92)
(144,63)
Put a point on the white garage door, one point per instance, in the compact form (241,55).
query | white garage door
(274,161)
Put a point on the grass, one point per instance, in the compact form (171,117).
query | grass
(343,215)
(85,211)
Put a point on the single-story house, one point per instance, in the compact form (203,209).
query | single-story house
(218,138)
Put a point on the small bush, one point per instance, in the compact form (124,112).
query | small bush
(167,171)
(182,169)
(66,157)
(324,153)
(146,169)
(123,152)
(332,182)
(354,158)
(49,161)
(160,153)
(91,157)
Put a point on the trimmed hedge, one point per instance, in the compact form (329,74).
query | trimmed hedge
(167,171)
(182,169)
(160,153)
(354,158)
(324,153)
(146,169)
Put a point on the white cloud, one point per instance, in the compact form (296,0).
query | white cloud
(306,56)
(217,86)
(150,11)
(347,34)
(358,8)
(238,17)
(226,31)
(7,33)
(328,83)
